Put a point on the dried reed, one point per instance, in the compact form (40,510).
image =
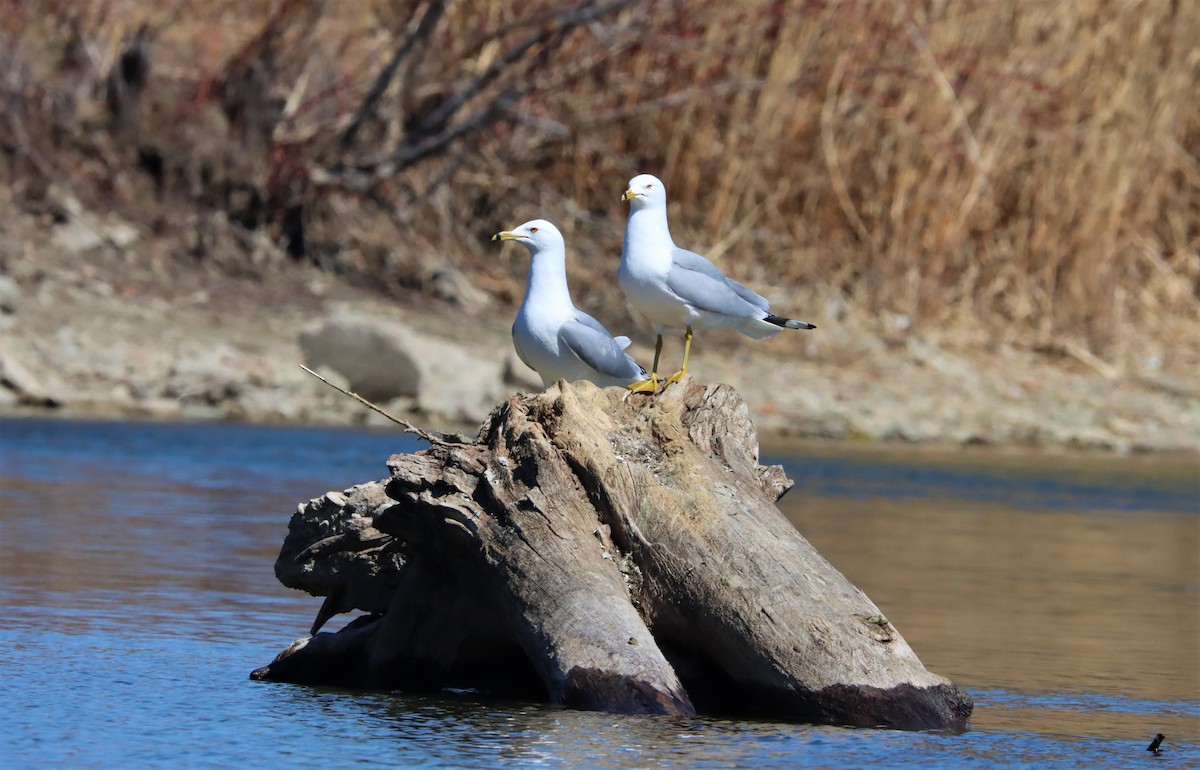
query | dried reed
(1011,170)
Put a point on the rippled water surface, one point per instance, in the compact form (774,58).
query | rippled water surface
(136,575)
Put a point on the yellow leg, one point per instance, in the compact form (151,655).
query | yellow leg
(650,385)
(687,348)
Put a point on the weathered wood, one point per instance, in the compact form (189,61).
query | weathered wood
(607,550)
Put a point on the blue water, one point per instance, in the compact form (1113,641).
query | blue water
(1114,484)
(136,573)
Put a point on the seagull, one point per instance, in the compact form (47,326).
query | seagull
(679,289)
(552,336)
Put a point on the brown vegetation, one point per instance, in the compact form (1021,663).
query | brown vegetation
(1005,170)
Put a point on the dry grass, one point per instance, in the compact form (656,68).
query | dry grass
(1001,170)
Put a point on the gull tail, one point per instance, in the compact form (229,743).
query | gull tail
(787,323)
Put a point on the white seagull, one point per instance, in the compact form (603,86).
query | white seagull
(552,336)
(679,289)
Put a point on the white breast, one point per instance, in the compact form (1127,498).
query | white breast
(645,264)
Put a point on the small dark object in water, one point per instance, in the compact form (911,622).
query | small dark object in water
(1155,743)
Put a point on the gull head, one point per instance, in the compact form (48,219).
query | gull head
(537,235)
(645,190)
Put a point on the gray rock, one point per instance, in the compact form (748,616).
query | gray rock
(84,234)
(383,360)
(449,284)
(375,357)
(518,374)
(205,379)
(83,230)
(10,295)
(27,388)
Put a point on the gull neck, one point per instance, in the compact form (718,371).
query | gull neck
(547,282)
(647,231)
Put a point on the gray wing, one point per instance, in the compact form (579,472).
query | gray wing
(758,300)
(589,340)
(590,322)
(700,283)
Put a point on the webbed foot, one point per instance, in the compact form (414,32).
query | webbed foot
(645,386)
(676,377)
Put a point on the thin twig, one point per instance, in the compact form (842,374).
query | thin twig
(432,438)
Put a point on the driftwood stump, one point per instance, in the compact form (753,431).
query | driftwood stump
(604,550)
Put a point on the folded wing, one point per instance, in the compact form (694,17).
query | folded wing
(590,341)
(701,284)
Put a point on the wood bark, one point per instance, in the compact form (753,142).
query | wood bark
(604,550)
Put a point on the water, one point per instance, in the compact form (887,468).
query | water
(136,577)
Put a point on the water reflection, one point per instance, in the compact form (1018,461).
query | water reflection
(1094,591)
(1031,599)
(464,732)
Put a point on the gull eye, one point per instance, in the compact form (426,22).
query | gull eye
(649,187)
(533,230)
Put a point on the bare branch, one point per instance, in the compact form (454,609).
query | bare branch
(410,154)
(436,132)
(558,26)
(432,438)
(433,14)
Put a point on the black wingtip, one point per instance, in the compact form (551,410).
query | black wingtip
(787,323)
(1154,744)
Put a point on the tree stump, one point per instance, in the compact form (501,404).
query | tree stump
(603,550)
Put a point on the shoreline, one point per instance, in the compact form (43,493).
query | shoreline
(772,441)
(144,333)
(771,444)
